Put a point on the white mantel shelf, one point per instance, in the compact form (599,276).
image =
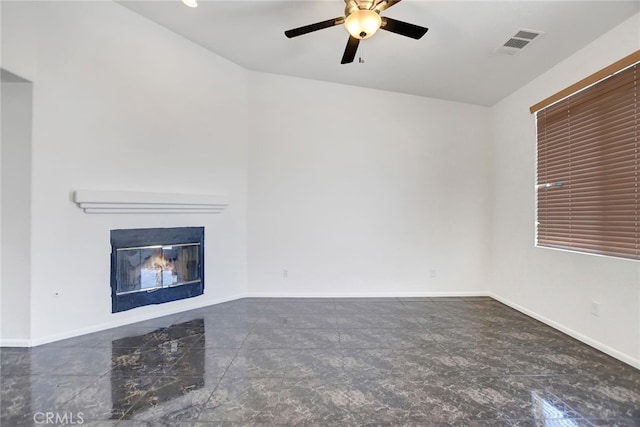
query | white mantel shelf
(130,202)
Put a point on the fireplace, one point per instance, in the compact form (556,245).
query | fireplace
(155,265)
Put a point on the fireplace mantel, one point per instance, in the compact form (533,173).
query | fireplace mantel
(130,202)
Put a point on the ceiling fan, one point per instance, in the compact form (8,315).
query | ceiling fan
(362,19)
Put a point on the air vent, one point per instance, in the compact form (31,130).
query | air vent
(518,41)
(529,35)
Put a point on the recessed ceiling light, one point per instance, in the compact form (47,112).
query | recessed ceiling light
(190,3)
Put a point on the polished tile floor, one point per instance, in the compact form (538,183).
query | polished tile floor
(329,362)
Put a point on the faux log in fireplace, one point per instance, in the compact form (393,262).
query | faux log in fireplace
(155,265)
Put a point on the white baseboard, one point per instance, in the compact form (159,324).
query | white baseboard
(577,335)
(114,324)
(368,295)
(14,343)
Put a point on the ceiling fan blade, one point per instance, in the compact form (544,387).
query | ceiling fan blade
(314,27)
(384,5)
(350,50)
(403,28)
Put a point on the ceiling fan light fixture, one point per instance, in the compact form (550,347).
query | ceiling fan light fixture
(363,23)
(190,3)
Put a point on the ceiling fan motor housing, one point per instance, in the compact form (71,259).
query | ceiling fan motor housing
(353,5)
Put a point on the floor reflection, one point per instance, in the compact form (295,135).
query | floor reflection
(549,414)
(163,365)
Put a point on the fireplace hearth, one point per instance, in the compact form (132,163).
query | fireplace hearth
(155,265)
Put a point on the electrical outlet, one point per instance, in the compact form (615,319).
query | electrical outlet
(285,273)
(433,274)
(595,308)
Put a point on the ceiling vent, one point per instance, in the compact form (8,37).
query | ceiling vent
(518,41)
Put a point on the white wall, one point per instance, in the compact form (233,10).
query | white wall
(121,103)
(363,192)
(15,205)
(555,286)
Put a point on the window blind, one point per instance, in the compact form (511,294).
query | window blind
(588,162)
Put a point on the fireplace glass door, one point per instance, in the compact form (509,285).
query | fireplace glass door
(149,268)
(155,266)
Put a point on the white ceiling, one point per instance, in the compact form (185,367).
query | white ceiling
(455,60)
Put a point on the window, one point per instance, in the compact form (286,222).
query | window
(588,161)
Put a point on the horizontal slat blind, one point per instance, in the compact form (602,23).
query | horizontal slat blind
(587,173)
